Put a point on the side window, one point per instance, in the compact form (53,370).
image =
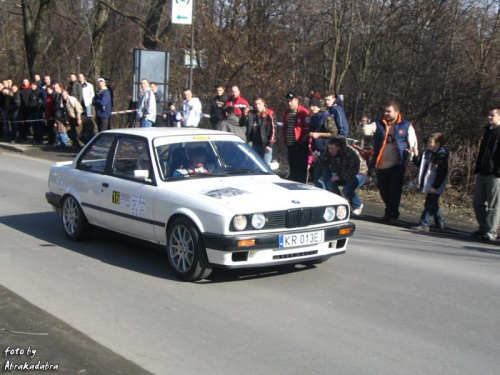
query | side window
(131,156)
(94,160)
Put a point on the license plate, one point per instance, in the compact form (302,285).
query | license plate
(301,239)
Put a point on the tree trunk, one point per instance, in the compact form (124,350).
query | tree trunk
(35,35)
(97,46)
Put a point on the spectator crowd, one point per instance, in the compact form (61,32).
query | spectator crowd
(315,137)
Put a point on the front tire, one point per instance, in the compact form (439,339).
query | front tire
(74,223)
(186,251)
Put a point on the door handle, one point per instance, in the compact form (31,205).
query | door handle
(105,184)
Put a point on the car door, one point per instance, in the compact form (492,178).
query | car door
(89,174)
(127,195)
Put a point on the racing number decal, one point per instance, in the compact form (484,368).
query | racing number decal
(116,197)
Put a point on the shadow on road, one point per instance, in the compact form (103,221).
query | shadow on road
(119,251)
(125,252)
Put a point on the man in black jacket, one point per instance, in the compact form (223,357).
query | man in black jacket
(487,187)
(217,106)
(35,112)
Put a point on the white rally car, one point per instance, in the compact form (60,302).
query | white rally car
(203,194)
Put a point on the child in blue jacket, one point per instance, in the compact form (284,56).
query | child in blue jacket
(432,180)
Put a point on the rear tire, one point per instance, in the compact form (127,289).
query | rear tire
(74,223)
(186,252)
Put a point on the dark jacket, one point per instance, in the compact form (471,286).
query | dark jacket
(75,90)
(102,103)
(17,103)
(231,124)
(322,122)
(57,102)
(25,92)
(347,164)
(488,158)
(433,170)
(35,100)
(338,113)
(217,108)
(265,124)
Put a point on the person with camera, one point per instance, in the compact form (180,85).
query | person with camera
(217,104)
(240,104)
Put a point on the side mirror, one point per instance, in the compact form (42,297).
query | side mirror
(142,175)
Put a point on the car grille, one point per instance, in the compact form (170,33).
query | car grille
(294,218)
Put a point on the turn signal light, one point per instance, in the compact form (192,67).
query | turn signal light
(245,243)
(345,231)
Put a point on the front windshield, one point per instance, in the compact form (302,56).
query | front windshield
(208,158)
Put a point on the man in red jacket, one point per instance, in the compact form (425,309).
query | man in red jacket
(296,136)
(236,101)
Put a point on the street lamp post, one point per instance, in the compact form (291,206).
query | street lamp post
(192,51)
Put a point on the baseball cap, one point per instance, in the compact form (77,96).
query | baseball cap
(315,101)
(101,80)
(290,96)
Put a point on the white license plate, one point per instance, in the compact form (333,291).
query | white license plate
(301,239)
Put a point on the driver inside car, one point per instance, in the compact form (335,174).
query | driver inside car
(197,164)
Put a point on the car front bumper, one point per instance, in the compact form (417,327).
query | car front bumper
(225,251)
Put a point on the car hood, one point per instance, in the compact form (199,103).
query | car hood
(260,193)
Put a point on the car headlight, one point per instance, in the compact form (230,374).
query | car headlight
(240,222)
(258,221)
(341,212)
(329,213)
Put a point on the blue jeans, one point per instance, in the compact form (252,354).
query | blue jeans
(146,123)
(318,176)
(431,208)
(349,190)
(62,139)
(88,110)
(268,157)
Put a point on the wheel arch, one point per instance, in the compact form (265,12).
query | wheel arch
(187,214)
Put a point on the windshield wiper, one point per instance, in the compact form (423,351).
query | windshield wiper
(234,171)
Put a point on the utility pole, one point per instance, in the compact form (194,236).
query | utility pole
(192,51)
(183,13)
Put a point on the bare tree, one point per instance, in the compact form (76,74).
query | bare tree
(36,32)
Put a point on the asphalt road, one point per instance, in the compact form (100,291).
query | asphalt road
(397,302)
